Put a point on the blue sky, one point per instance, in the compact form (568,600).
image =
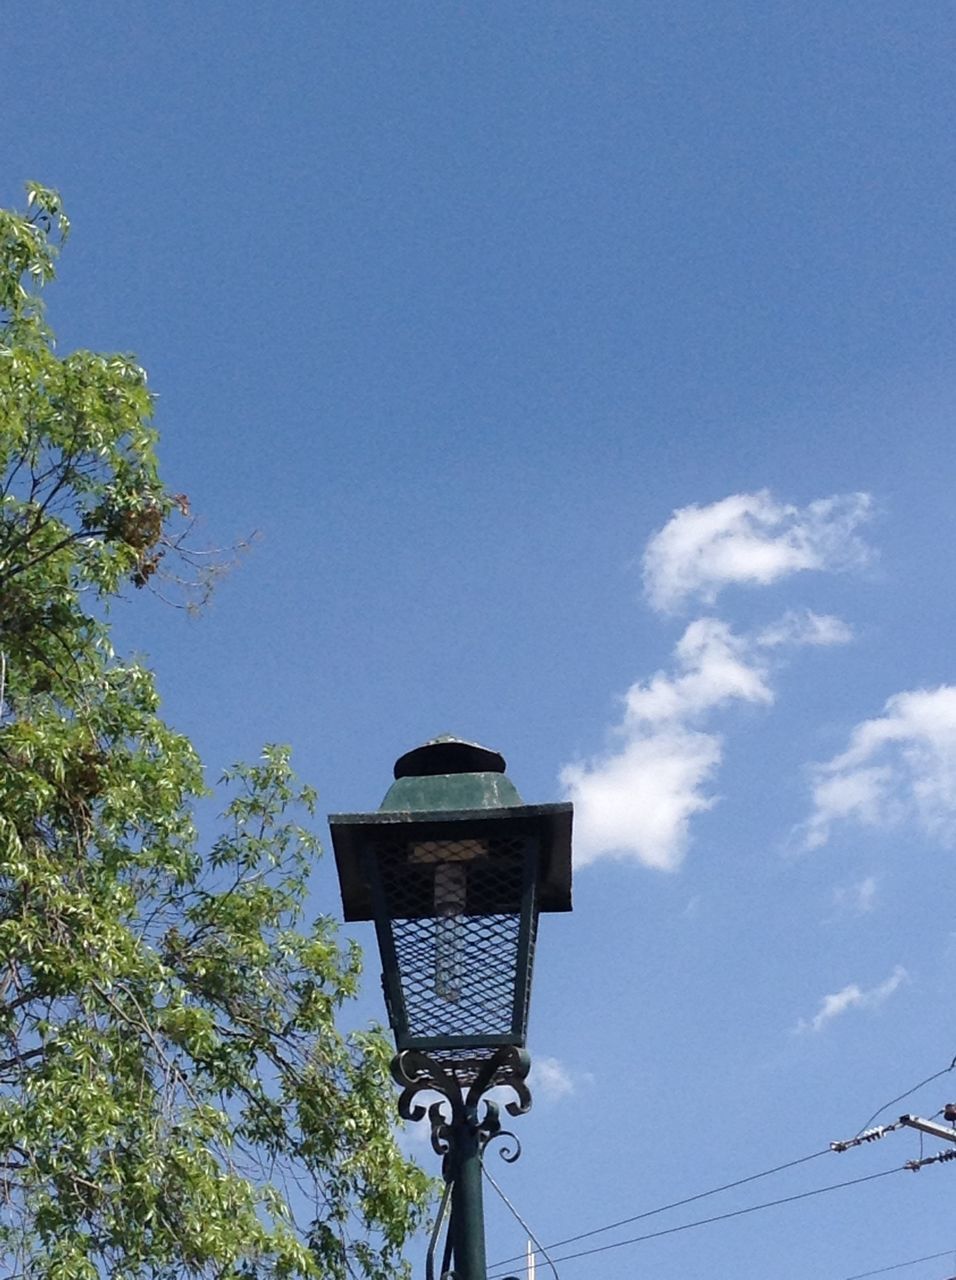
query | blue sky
(587,373)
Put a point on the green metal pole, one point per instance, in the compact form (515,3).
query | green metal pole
(467,1215)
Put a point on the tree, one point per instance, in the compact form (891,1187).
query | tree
(175,1097)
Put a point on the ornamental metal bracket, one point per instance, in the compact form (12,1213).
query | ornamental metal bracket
(462,1101)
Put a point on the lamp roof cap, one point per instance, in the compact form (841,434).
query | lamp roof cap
(447,754)
(450,789)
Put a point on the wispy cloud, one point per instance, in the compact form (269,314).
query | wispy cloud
(750,538)
(897,766)
(852,996)
(550,1079)
(857,899)
(805,627)
(714,666)
(636,800)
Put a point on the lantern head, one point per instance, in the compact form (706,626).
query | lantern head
(454,870)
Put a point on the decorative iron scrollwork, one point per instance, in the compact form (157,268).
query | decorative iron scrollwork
(462,1099)
(511,1150)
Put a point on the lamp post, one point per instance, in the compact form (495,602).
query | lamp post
(454,870)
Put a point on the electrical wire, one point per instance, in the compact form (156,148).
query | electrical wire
(893,1101)
(729,1186)
(720,1217)
(898,1266)
(674,1204)
(521,1222)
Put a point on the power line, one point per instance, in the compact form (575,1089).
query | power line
(720,1217)
(674,1204)
(898,1266)
(521,1222)
(729,1186)
(893,1101)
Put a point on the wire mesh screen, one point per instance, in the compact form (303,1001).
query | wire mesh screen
(455,911)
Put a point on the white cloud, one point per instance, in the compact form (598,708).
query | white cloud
(853,997)
(856,899)
(637,803)
(550,1078)
(750,538)
(636,800)
(715,666)
(899,765)
(805,628)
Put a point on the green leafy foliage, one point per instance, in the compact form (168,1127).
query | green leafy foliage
(175,1097)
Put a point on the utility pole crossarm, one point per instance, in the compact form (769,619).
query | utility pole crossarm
(930,1127)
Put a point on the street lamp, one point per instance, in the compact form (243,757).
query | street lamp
(454,870)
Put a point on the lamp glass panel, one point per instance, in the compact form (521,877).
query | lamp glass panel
(454,911)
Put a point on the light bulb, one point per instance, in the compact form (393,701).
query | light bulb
(450,859)
(451,888)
